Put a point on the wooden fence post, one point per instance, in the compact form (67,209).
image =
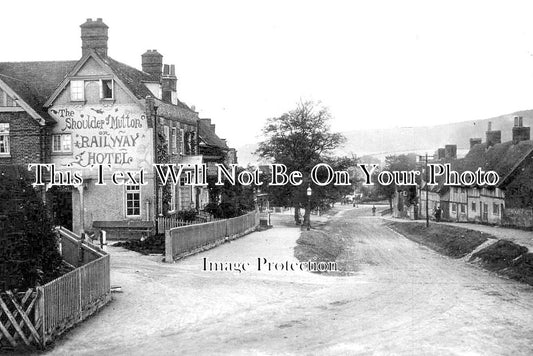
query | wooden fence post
(169,254)
(39,320)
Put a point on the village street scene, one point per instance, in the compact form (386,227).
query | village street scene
(150,207)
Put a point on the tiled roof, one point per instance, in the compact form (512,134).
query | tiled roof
(35,81)
(133,78)
(502,158)
(209,137)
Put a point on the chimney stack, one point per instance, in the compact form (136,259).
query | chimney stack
(475,141)
(94,36)
(450,151)
(168,84)
(152,63)
(493,137)
(520,133)
(441,153)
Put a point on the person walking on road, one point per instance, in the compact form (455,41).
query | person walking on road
(438,213)
(374,210)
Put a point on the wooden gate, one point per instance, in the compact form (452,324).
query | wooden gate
(19,320)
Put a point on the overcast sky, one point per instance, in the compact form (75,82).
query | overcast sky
(375,64)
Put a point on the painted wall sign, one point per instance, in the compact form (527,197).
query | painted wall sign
(116,135)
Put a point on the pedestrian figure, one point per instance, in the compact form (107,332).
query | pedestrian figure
(374,210)
(438,213)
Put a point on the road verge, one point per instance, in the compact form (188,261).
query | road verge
(504,257)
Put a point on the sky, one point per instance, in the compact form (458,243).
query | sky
(374,64)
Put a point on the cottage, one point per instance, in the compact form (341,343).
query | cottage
(512,161)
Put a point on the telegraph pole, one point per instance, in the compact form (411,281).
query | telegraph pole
(426,159)
(427,192)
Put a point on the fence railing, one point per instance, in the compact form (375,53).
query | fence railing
(185,239)
(165,223)
(74,296)
(39,315)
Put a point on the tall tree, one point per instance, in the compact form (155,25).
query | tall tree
(299,139)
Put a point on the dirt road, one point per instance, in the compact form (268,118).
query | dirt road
(403,299)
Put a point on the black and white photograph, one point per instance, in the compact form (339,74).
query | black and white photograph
(273,177)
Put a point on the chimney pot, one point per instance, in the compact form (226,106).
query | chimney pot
(490,126)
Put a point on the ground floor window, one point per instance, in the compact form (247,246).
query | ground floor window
(62,143)
(462,208)
(473,206)
(495,209)
(133,200)
(454,207)
(4,139)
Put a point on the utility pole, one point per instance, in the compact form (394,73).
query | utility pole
(427,192)
(426,159)
(156,185)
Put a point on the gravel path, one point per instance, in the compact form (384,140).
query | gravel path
(404,299)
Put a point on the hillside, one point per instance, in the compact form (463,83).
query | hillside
(396,140)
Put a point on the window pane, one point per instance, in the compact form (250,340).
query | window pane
(56,143)
(66,142)
(77,90)
(4,144)
(107,89)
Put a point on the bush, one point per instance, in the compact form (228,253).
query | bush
(29,253)
(187,215)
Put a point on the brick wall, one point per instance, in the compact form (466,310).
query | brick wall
(518,218)
(24,138)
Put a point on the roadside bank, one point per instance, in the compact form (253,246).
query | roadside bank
(497,255)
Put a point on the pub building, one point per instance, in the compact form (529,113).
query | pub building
(98,111)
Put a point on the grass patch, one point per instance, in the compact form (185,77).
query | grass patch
(449,240)
(151,245)
(323,246)
(507,258)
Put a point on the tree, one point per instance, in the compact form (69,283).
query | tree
(395,163)
(300,139)
(228,200)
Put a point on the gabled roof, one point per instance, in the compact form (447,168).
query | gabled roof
(34,82)
(209,137)
(133,82)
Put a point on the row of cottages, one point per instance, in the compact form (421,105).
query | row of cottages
(97,110)
(509,202)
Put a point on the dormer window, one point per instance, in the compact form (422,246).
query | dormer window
(77,90)
(106,89)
